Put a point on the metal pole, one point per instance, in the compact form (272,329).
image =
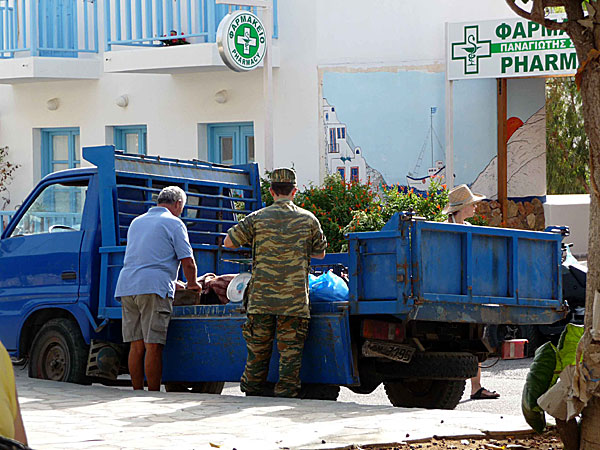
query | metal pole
(431,133)
(449,124)
(449,134)
(268,86)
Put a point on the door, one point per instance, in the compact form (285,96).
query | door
(231,143)
(39,254)
(61,149)
(57,27)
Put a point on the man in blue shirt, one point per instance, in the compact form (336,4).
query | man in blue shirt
(157,243)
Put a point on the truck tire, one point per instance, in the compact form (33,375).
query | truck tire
(534,337)
(199,387)
(430,394)
(313,391)
(59,353)
(433,366)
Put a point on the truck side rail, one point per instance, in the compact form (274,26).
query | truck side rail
(459,273)
(217,196)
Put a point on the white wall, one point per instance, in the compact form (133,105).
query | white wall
(392,32)
(173,106)
(312,34)
(573,211)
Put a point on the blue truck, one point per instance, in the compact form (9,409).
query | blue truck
(421,293)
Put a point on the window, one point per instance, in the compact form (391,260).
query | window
(339,133)
(342,172)
(231,143)
(354,174)
(332,141)
(58,208)
(60,149)
(344,133)
(131,139)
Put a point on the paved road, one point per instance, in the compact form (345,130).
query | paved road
(507,377)
(64,416)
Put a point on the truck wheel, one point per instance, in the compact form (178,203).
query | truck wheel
(433,366)
(533,335)
(200,387)
(59,353)
(315,391)
(431,394)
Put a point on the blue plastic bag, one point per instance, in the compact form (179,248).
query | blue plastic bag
(328,288)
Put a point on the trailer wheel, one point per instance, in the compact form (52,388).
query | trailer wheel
(319,392)
(59,353)
(431,394)
(534,337)
(201,387)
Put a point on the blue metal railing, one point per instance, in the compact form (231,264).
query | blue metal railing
(165,22)
(48,27)
(5,217)
(40,222)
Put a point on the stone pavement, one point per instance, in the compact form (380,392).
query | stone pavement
(67,416)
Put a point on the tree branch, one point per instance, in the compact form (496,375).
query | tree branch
(535,14)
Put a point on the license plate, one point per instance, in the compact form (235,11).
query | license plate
(393,351)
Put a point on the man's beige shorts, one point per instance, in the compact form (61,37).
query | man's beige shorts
(146,317)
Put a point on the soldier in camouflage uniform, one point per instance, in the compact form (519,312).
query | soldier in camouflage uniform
(283,237)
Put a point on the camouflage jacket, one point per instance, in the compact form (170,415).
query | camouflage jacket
(283,237)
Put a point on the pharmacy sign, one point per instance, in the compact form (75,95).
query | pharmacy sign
(241,41)
(507,48)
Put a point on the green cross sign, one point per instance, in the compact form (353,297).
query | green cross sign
(241,40)
(471,49)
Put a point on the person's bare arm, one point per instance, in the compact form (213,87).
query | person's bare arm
(318,255)
(20,434)
(191,273)
(228,243)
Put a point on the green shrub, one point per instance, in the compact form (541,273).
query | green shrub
(397,199)
(334,203)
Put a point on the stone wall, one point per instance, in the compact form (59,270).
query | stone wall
(522,215)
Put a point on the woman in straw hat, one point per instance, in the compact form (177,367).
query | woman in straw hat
(461,205)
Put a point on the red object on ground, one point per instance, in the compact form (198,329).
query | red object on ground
(514,349)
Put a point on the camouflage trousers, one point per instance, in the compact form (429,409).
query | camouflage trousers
(259,332)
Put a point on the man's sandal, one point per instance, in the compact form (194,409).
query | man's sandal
(484,394)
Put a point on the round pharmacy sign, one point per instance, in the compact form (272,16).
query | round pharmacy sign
(241,40)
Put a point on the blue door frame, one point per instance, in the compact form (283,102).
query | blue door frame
(237,135)
(74,153)
(120,138)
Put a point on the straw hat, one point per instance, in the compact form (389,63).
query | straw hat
(459,197)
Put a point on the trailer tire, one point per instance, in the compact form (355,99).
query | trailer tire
(59,353)
(433,366)
(430,394)
(534,337)
(314,391)
(199,387)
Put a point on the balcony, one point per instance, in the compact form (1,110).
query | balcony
(166,36)
(48,40)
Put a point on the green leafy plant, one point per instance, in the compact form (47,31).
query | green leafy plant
(7,170)
(567,145)
(265,184)
(478,219)
(397,199)
(334,204)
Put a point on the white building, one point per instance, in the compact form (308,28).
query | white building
(343,157)
(83,73)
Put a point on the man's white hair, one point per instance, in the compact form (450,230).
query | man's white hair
(171,195)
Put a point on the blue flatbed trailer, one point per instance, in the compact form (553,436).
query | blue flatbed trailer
(421,292)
